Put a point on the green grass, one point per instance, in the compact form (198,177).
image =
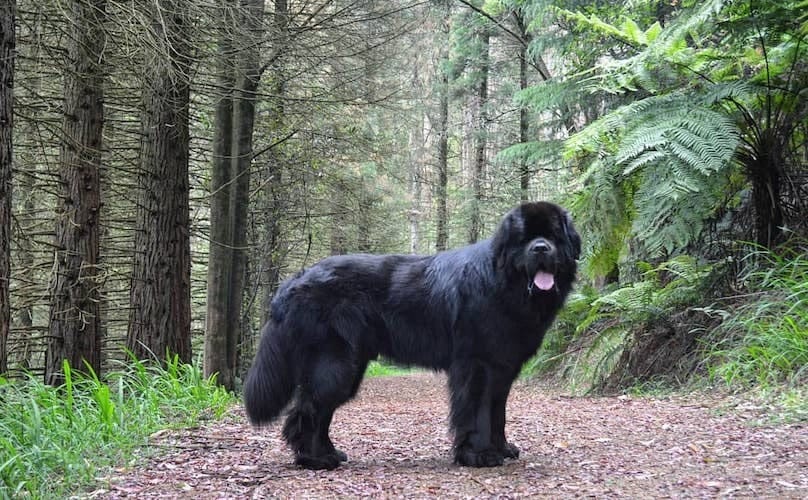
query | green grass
(53,440)
(384,369)
(764,341)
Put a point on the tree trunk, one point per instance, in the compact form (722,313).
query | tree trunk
(416,158)
(765,167)
(8,12)
(270,256)
(160,298)
(479,139)
(364,235)
(225,321)
(442,238)
(339,208)
(244,122)
(75,296)
(220,256)
(24,189)
(768,209)
(524,168)
(26,198)
(271,268)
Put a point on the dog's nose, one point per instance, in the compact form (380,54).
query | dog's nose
(541,246)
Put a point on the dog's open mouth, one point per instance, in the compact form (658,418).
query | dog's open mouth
(544,280)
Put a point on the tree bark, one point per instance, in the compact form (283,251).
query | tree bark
(8,13)
(160,298)
(416,160)
(442,238)
(479,138)
(270,257)
(765,167)
(244,122)
(225,325)
(74,303)
(26,198)
(220,256)
(524,168)
(339,209)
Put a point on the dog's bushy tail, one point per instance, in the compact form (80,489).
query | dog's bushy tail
(270,382)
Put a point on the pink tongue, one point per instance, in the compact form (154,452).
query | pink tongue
(544,281)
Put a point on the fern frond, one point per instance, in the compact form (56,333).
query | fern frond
(639,140)
(643,159)
(701,138)
(633,301)
(596,134)
(542,153)
(717,92)
(669,40)
(671,207)
(552,94)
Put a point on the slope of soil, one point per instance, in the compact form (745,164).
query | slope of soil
(395,434)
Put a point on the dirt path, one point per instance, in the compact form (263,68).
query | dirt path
(396,438)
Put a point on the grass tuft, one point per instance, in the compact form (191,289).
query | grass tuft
(382,368)
(765,340)
(53,440)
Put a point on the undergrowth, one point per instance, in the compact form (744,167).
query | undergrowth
(53,440)
(595,326)
(758,338)
(763,340)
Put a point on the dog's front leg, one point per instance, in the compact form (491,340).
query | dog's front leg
(471,383)
(499,402)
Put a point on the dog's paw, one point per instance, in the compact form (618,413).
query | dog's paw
(343,457)
(484,458)
(329,461)
(510,451)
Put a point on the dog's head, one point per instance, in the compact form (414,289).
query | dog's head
(538,242)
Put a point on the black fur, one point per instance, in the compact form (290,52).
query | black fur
(473,312)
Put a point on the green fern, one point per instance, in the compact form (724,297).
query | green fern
(670,147)
(534,153)
(703,139)
(633,301)
(603,209)
(547,95)
(651,296)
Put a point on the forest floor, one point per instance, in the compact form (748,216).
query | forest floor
(395,434)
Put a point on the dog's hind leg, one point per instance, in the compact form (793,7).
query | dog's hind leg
(328,383)
(326,439)
(306,431)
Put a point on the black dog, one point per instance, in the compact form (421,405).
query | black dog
(478,312)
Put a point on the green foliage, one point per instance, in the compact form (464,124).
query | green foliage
(531,152)
(671,147)
(603,212)
(671,204)
(54,440)
(558,339)
(382,368)
(685,107)
(628,31)
(662,289)
(765,340)
(593,327)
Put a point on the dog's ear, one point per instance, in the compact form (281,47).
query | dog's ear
(509,228)
(572,235)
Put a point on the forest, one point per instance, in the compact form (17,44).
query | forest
(166,164)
